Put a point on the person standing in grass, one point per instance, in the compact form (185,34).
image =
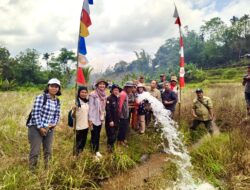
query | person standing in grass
(161,82)
(142,109)
(155,93)
(169,98)
(133,107)
(44,118)
(246,83)
(80,112)
(124,113)
(112,116)
(97,104)
(173,84)
(202,111)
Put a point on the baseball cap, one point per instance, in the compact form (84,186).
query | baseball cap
(198,90)
(54,81)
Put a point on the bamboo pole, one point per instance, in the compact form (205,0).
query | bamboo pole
(76,86)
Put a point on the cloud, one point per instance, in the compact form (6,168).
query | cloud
(119,27)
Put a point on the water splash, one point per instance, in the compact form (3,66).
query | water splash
(175,146)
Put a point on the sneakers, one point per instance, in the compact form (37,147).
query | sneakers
(98,154)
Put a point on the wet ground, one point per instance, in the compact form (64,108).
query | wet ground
(136,177)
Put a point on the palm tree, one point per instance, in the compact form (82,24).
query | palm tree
(46,58)
(87,71)
(234,20)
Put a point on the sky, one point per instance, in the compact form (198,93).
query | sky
(119,27)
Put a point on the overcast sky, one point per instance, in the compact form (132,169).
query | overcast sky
(119,27)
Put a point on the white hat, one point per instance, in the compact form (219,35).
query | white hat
(54,81)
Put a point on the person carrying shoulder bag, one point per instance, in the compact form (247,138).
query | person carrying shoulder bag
(202,111)
(42,121)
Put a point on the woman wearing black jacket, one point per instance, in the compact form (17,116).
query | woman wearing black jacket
(112,116)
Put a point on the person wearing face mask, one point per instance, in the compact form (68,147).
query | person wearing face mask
(80,111)
(42,121)
(97,104)
(112,116)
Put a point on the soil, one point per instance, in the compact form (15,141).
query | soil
(136,177)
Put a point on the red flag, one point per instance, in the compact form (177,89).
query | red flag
(80,79)
(176,15)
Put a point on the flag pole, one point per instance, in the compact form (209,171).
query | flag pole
(76,85)
(180,98)
(181,58)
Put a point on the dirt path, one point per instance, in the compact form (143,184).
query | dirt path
(136,177)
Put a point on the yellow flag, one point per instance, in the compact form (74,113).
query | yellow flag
(84,30)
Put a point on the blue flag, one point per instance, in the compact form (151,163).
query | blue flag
(91,2)
(82,46)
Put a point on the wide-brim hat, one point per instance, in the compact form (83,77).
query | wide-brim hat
(114,86)
(174,78)
(101,80)
(129,84)
(140,85)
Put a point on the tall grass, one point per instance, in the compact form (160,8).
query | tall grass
(223,160)
(66,171)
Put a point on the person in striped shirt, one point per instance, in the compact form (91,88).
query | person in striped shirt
(44,118)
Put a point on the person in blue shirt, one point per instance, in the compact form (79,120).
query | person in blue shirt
(44,118)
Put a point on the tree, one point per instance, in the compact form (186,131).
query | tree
(213,29)
(87,72)
(7,65)
(120,66)
(28,69)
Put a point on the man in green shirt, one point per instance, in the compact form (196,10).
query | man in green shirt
(202,111)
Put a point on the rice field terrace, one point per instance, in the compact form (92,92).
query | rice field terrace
(222,160)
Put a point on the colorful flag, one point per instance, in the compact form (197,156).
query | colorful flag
(84,32)
(80,79)
(182,61)
(82,46)
(85,18)
(82,60)
(85,22)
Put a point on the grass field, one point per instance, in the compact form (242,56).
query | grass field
(223,160)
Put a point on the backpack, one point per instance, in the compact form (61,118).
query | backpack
(44,103)
(70,119)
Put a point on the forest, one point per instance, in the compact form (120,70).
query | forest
(216,44)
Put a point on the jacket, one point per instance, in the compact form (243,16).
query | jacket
(112,113)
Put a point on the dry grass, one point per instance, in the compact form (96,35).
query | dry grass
(226,160)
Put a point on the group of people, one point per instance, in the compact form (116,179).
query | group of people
(117,112)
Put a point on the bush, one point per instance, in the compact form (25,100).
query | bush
(229,74)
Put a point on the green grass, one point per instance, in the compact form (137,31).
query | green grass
(66,171)
(220,160)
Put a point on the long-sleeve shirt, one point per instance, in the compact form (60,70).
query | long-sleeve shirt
(82,116)
(123,105)
(156,93)
(44,115)
(112,113)
(95,109)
